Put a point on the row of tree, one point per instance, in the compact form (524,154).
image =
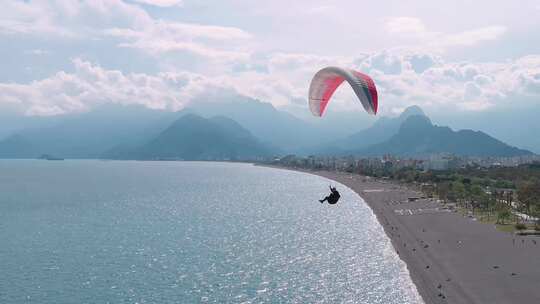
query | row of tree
(504,192)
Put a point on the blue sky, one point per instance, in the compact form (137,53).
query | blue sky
(69,56)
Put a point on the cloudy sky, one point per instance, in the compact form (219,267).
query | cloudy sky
(68,56)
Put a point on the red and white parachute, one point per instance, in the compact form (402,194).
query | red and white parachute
(327,80)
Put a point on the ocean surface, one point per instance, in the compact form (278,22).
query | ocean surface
(188,232)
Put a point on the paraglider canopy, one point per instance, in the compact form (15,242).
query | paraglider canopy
(326,81)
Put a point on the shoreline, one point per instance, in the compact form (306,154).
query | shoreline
(450,258)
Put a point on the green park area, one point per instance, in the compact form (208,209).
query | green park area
(508,197)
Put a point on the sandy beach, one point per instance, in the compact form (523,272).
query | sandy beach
(451,258)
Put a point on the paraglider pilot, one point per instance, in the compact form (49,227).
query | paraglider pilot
(333,197)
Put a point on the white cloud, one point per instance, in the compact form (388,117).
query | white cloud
(128,26)
(472,90)
(440,85)
(37,52)
(263,52)
(470,38)
(415,29)
(474,105)
(525,75)
(157,47)
(91,85)
(175,30)
(407,26)
(162,3)
(451,85)
(321,10)
(68,18)
(161,37)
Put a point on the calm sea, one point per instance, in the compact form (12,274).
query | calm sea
(188,232)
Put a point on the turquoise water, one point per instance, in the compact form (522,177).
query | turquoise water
(187,232)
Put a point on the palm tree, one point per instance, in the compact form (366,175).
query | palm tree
(502,215)
(442,191)
(529,194)
(459,189)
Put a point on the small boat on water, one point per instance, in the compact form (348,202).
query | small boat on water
(49,157)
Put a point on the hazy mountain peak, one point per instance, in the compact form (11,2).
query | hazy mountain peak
(416,121)
(410,111)
(417,136)
(190,117)
(383,129)
(194,137)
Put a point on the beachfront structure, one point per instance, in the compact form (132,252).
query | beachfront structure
(514,161)
(442,162)
(389,163)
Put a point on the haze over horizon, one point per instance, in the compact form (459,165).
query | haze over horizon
(67,56)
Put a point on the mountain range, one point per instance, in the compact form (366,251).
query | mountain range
(192,137)
(417,136)
(383,129)
(281,129)
(236,130)
(86,135)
